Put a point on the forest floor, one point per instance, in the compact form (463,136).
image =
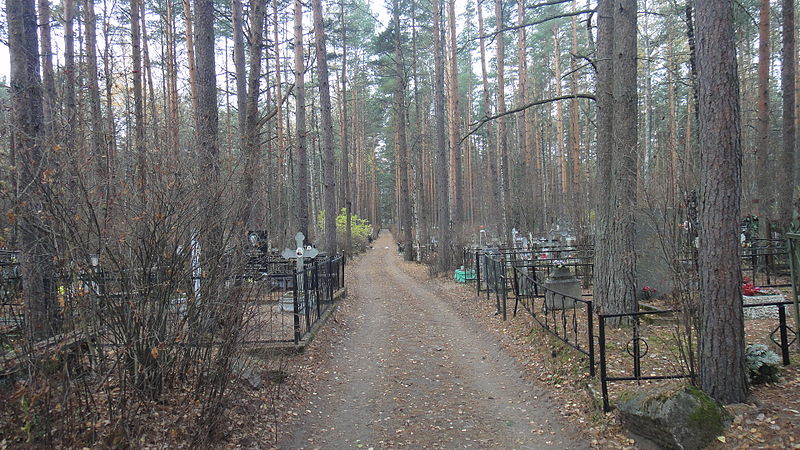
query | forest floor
(408,360)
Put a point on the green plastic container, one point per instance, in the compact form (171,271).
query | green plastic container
(462,276)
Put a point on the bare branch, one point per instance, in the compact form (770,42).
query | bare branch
(494,34)
(477,125)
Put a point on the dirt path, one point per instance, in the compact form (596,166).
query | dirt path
(413,372)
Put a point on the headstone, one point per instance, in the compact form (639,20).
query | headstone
(652,268)
(299,254)
(561,289)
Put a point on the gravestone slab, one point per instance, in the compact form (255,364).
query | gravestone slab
(652,268)
(562,287)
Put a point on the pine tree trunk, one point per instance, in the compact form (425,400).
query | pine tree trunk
(603,280)
(763,201)
(524,118)
(787,159)
(574,143)
(491,151)
(402,149)
(70,100)
(624,159)
(207,127)
(110,132)
(239,68)
(328,164)
(722,370)
(251,126)
(502,139)
(560,149)
(171,76)
(300,122)
(456,183)
(97,150)
(345,172)
(48,74)
(138,103)
(442,198)
(38,271)
(188,22)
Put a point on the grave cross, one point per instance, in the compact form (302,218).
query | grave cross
(300,253)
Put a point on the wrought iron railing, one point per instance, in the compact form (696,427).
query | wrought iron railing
(494,276)
(568,318)
(659,348)
(793,244)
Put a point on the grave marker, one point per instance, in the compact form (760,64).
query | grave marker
(299,254)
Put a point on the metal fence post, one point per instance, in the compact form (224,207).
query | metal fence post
(637,353)
(790,238)
(296,301)
(307,285)
(590,324)
(784,334)
(603,382)
(478,273)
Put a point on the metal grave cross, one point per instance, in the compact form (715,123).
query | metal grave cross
(300,253)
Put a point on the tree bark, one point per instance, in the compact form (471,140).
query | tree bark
(48,74)
(138,103)
(456,183)
(300,122)
(345,172)
(402,147)
(502,139)
(328,158)
(763,201)
(171,75)
(605,128)
(625,158)
(188,22)
(788,86)
(442,196)
(37,267)
(207,128)
(615,259)
(70,101)
(559,122)
(251,126)
(110,130)
(524,119)
(98,152)
(239,68)
(722,369)
(574,142)
(491,150)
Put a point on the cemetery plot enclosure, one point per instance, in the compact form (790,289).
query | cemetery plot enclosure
(107,309)
(655,344)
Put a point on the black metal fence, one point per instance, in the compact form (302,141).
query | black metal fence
(568,318)
(626,354)
(283,304)
(659,347)
(766,261)
(495,279)
(579,258)
(313,293)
